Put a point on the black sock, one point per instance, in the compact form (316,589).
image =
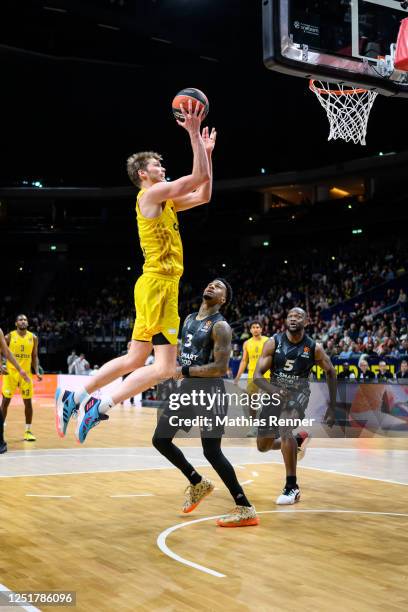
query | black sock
(290,482)
(224,469)
(169,450)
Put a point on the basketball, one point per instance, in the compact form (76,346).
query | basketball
(190,93)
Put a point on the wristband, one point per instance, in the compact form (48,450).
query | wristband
(185,370)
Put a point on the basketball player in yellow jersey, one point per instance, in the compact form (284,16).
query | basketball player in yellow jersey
(156,291)
(24,346)
(252,350)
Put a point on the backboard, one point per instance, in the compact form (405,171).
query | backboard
(342,41)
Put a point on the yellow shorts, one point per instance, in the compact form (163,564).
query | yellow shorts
(156,303)
(12,382)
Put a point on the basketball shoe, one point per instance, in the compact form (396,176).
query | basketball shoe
(88,417)
(65,408)
(28,436)
(302,439)
(240,516)
(289,496)
(196,493)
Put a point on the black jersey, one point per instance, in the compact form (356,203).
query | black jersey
(196,341)
(292,363)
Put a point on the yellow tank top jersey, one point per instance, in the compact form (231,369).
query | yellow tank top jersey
(22,349)
(160,241)
(254,350)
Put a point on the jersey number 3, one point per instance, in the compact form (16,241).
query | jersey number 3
(188,341)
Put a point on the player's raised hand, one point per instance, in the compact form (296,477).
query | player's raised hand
(209,139)
(192,119)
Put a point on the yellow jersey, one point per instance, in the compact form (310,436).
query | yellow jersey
(254,349)
(160,241)
(22,349)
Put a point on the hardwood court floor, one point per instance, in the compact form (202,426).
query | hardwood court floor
(344,547)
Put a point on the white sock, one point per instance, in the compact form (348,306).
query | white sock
(106,404)
(80,395)
(28,426)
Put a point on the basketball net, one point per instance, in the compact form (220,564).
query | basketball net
(347,110)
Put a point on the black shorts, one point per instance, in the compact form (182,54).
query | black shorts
(295,404)
(175,416)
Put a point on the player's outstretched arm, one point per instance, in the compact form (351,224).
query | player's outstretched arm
(171,190)
(4,349)
(36,363)
(243,364)
(265,363)
(202,195)
(222,337)
(322,360)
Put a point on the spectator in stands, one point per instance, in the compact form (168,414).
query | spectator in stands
(70,360)
(346,373)
(402,300)
(402,375)
(383,374)
(81,366)
(365,374)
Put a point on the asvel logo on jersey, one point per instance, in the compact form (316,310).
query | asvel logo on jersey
(306,351)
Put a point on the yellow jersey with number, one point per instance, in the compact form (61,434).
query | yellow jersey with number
(22,349)
(254,349)
(160,241)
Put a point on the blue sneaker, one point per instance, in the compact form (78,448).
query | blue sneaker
(64,409)
(88,417)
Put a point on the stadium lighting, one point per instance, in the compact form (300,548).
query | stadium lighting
(81,269)
(250,219)
(349,206)
(128,268)
(333,258)
(266,243)
(357,231)
(53,247)
(286,261)
(21,269)
(224,265)
(263,170)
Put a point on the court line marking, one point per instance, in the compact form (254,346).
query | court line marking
(161,539)
(4,589)
(246,482)
(135,495)
(40,495)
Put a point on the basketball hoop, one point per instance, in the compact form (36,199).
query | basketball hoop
(347,109)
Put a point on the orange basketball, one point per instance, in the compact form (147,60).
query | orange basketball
(190,93)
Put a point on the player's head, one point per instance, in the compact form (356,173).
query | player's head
(21,321)
(146,168)
(255,328)
(296,320)
(404,366)
(218,291)
(382,366)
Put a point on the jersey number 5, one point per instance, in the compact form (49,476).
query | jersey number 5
(289,365)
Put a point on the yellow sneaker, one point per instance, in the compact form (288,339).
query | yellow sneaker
(28,436)
(240,516)
(196,493)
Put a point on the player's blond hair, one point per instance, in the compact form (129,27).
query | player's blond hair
(139,161)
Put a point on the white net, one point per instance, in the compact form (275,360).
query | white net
(347,110)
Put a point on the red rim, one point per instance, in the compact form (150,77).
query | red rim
(335,92)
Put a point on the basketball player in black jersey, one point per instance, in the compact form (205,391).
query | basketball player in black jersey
(205,352)
(290,357)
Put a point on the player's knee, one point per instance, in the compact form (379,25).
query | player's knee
(212,454)
(165,370)
(264,444)
(159,443)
